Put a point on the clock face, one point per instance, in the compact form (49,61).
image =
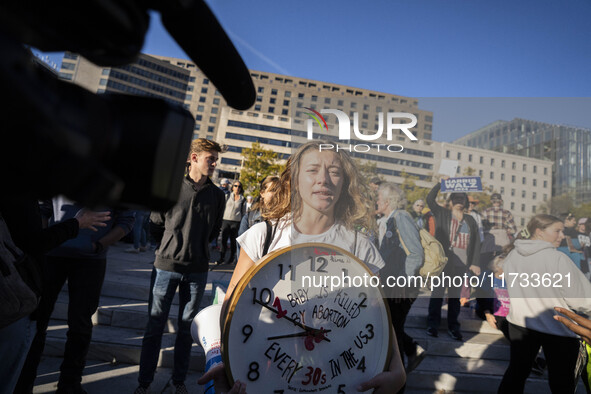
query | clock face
(308,318)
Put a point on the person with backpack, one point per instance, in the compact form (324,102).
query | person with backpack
(458,234)
(320,200)
(396,228)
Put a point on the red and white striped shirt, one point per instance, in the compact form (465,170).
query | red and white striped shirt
(461,241)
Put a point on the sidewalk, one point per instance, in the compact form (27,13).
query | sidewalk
(113,357)
(473,366)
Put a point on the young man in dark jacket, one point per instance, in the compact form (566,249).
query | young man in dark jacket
(182,260)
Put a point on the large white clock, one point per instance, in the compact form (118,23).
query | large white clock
(308,318)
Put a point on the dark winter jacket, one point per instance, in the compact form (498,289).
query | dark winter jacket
(186,230)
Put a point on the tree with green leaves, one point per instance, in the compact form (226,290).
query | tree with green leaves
(559,205)
(258,163)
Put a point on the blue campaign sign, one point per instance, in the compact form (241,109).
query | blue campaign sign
(464,184)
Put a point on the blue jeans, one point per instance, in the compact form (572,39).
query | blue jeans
(15,340)
(140,229)
(162,289)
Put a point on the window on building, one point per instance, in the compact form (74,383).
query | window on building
(260,99)
(470,158)
(492,161)
(285,102)
(481,160)
(212,119)
(480,173)
(523,194)
(502,177)
(523,221)
(340,103)
(202,99)
(284,111)
(200,108)
(216,101)
(459,156)
(512,178)
(103,82)
(272,100)
(300,95)
(260,89)
(327,100)
(214,110)
(522,207)
(274,92)
(524,167)
(271,110)
(512,206)
(523,180)
(198,117)
(534,195)
(492,175)
(545,184)
(512,192)
(545,170)
(203,90)
(447,154)
(545,197)
(502,163)
(502,190)
(197,126)
(205,81)
(535,169)
(287,93)
(210,129)
(257,107)
(535,182)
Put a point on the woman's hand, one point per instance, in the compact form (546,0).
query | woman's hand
(220,381)
(390,381)
(490,318)
(581,326)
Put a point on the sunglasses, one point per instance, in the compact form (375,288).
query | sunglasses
(235,185)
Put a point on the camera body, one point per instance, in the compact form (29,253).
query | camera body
(114,149)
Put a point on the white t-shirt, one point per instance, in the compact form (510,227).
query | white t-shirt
(253,242)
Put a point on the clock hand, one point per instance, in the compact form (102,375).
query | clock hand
(308,329)
(302,334)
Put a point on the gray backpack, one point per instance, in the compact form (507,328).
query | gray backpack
(17,299)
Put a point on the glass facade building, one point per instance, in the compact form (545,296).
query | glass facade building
(569,148)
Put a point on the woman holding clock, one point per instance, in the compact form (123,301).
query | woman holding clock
(320,199)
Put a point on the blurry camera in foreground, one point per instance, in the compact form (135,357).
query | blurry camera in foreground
(111,148)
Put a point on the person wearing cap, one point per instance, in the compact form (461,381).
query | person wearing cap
(500,221)
(225,186)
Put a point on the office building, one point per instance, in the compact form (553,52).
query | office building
(567,147)
(283,114)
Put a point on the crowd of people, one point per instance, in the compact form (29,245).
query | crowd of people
(319,197)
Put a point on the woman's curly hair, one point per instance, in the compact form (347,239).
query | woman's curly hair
(351,208)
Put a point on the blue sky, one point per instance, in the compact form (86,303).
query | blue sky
(431,49)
